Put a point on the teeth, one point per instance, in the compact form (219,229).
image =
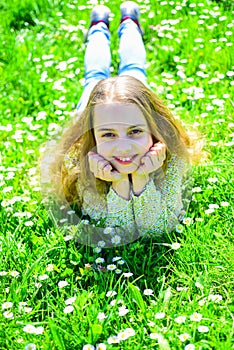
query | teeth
(125,159)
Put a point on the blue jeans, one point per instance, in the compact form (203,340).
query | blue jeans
(98,57)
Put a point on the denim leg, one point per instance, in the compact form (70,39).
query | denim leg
(97,60)
(132,51)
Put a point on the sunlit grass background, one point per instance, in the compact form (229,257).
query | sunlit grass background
(176,293)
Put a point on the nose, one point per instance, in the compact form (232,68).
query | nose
(123,146)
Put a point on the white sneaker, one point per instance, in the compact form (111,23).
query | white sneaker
(130,9)
(100,13)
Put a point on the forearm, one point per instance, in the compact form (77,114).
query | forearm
(122,188)
(139,183)
(149,208)
(120,213)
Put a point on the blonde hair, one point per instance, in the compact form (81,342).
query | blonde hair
(79,139)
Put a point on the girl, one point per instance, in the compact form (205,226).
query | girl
(122,164)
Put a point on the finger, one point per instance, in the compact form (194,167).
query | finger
(109,174)
(115,175)
(143,165)
(90,160)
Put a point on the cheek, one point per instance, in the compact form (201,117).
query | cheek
(102,148)
(146,143)
(150,141)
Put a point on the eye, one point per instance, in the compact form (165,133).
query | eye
(108,135)
(135,132)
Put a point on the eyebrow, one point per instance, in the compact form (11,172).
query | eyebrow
(130,127)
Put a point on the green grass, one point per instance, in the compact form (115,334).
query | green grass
(196,278)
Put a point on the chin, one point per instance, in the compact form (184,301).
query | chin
(127,171)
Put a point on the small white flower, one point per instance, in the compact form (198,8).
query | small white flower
(88,347)
(29,328)
(160,315)
(14,273)
(187,221)
(85,222)
(115,239)
(213,206)
(155,336)
(196,189)
(216,298)
(183,337)
(202,302)
(108,230)
(113,302)
(199,285)
(101,316)
(8,314)
(196,317)
(128,274)
(68,238)
(101,244)
(99,260)
(68,309)
(189,347)
(97,249)
(118,271)
(101,346)
(7,305)
(111,267)
(50,267)
(110,293)
(62,284)
(203,329)
(175,246)
(43,277)
(212,179)
(116,258)
(121,262)
(7,189)
(122,335)
(222,18)
(3,273)
(209,211)
(113,340)
(27,309)
(22,304)
(70,301)
(180,319)
(30,346)
(39,330)
(123,311)
(148,292)
(224,204)
(179,228)
(28,223)
(130,331)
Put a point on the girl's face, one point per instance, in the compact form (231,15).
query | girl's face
(122,135)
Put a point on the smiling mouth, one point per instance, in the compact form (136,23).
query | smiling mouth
(125,160)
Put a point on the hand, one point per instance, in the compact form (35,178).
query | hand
(150,162)
(103,170)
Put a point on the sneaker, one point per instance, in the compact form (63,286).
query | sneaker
(130,9)
(100,13)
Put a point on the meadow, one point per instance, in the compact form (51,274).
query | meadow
(171,293)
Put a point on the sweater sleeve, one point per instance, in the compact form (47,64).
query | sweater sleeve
(158,208)
(117,217)
(120,211)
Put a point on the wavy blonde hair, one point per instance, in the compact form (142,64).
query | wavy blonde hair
(79,139)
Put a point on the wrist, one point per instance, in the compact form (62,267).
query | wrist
(139,183)
(122,188)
